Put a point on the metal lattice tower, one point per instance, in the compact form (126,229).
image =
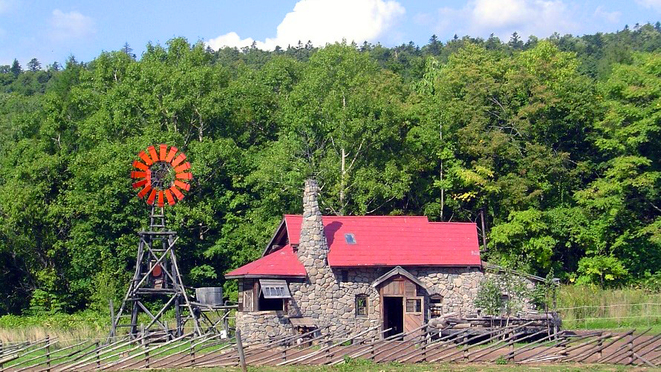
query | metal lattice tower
(157,274)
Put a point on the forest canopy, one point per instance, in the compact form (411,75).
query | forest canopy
(556,143)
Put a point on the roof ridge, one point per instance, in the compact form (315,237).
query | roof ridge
(368,216)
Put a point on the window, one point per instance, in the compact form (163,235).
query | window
(274,288)
(361,305)
(350,238)
(436,305)
(345,276)
(413,305)
(272,294)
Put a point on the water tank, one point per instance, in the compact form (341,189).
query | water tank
(209,295)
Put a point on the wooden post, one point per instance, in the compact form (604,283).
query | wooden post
(425,342)
(239,348)
(146,339)
(466,354)
(192,353)
(47,353)
(631,357)
(112,321)
(98,357)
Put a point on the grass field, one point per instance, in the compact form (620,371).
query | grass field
(587,307)
(581,307)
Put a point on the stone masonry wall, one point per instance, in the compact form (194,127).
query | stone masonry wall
(259,326)
(458,286)
(319,296)
(337,310)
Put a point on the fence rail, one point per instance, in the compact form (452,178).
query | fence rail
(515,343)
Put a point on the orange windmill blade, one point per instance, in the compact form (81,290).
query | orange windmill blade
(161,175)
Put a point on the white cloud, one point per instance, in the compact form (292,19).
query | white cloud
(612,17)
(504,17)
(72,25)
(231,39)
(653,4)
(326,21)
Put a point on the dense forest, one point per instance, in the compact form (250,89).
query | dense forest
(556,143)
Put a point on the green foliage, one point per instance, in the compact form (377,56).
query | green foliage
(489,297)
(555,142)
(502,293)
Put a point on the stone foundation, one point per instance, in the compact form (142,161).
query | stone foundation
(259,326)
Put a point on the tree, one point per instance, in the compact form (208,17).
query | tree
(344,110)
(34,65)
(16,68)
(126,49)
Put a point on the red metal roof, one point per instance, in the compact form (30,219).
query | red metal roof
(395,240)
(381,241)
(280,263)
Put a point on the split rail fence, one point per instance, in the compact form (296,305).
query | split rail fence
(512,344)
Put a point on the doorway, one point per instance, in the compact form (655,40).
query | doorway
(393,315)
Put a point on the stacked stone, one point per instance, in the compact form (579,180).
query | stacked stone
(317,297)
(457,286)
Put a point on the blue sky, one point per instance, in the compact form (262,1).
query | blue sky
(53,30)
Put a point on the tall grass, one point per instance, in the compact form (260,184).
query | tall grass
(66,327)
(592,307)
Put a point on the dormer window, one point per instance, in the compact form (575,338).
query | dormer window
(350,238)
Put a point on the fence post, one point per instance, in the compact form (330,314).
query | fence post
(427,339)
(47,353)
(146,338)
(98,357)
(192,353)
(630,359)
(239,348)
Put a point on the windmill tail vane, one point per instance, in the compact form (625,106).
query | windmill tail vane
(161,175)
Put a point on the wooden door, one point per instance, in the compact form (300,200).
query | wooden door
(413,313)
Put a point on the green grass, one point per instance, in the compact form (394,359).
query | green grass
(581,307)
(589,307)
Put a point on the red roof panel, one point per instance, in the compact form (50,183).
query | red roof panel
(281,263)
(395,240)
(378,241)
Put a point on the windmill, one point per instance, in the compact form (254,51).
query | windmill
(161,175)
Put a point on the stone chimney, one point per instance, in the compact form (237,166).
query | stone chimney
(313,247)
(319,296)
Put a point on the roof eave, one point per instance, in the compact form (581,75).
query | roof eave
(264,276)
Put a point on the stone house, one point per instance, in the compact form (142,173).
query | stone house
(354,272)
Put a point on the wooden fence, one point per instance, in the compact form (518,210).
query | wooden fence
(516,343)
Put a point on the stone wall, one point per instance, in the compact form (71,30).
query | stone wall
(332,303)
(258,326)
(458,286)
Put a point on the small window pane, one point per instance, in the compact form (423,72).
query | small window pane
(361,305)
(413,305)
(350,238)
(274,288)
